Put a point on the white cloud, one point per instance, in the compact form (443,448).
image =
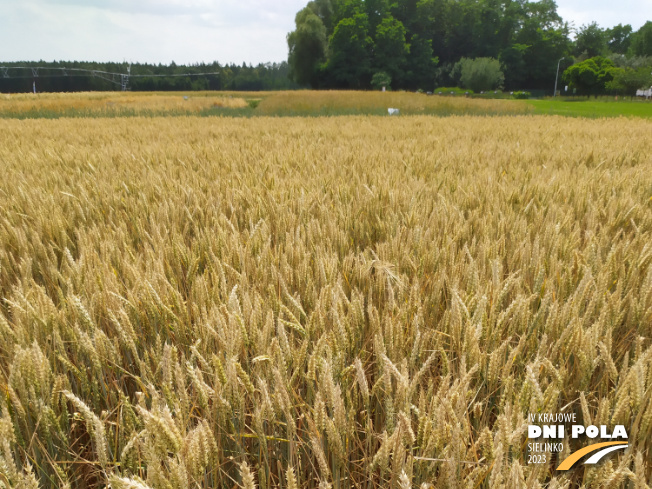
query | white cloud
(606,13)
(149,31)
(190,31)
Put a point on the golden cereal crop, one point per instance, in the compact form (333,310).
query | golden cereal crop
(116,103)
(336,102)
(350,302)
(282,103)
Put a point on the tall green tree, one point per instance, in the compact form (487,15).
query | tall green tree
(462,17)
(544,12)
(405,11)
(307,48)
(619,38)
(324,10)
(431,23)
(421,64)
(347,9)
(488,34)
(546,37)
(642,41)
(376,10)
(513,61)
(591,40)
(350,48)
(391,50)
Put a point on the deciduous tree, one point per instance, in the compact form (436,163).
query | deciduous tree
(307,47)
(350,47)
(390,49)
(642,40)
(591,40)
(619,38)
(590,76)
(628,80)
(480,74)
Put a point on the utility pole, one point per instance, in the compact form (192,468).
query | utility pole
(124,79)
(554,94)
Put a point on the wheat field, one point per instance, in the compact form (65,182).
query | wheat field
(115,104)
(348,102)
(281,103)
(351,302)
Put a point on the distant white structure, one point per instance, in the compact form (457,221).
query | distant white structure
(391,111)
(644,93)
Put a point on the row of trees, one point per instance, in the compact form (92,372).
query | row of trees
(592,40)
(615,60)
(416,44)
(269,76)
(600,75)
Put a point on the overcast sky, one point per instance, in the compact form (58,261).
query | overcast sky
(190,31)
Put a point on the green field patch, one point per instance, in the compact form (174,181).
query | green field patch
(593,108)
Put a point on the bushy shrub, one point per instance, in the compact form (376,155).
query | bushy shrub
(380,80)
(628,80)
(521,95)
(590,76)
(479,74)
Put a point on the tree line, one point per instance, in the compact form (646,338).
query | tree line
(424,44)
(149,77)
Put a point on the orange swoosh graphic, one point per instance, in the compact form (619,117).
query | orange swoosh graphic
(575,456)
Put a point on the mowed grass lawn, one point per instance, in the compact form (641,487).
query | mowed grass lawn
(593,108)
